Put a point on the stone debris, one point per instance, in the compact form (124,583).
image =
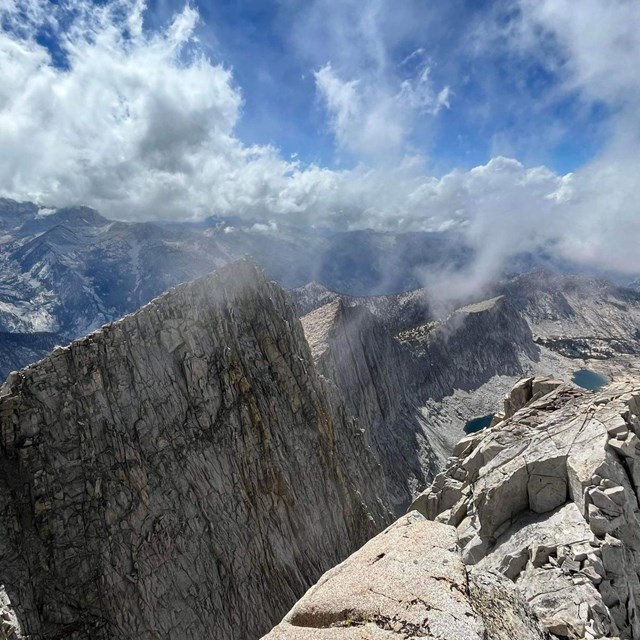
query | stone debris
(550,500)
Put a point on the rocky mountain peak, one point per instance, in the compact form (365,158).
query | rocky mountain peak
(155,475)
(549,498)
(531,532)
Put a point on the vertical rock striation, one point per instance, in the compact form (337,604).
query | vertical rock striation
(181,473)
(373,374)
(386,380)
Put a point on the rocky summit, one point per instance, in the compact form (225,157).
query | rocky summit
(549,498)
(182,473)
(531,532)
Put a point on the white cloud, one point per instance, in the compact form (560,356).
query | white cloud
(372,116)
(366,119)
(595,46)
(130,122)
(142,125)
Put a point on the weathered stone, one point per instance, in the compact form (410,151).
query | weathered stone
(547,486)
(519,396)
(409,581)
(601,500)
(563,607)
(541,386)
(182,473)
(577,561)
(505,613)
(627,447)
(599,523)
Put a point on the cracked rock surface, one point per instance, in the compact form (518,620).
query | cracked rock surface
(549,498)
(409,582)
(155,476)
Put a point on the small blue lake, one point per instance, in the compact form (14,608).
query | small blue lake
(477,424)
(590,380)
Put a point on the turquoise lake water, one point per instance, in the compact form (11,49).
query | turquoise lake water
(590,380)
(477,424)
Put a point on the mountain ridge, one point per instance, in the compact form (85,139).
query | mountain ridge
(154,476)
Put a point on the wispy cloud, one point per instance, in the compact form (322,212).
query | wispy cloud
(372,117)
(372,99)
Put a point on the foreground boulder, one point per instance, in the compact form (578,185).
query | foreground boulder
(549,499)
(409,582)
(155,476)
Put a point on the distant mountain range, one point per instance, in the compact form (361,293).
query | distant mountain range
(69,270)
(65,272)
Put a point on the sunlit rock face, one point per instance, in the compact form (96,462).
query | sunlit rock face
(531,532)
(385,378)
(182,473)
(410,582)
(549,498)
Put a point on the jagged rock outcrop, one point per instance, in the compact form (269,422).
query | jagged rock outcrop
(549,497)
(409,582)
(397,312)
(181,473)
(373,374)
(385,381)
(526,390)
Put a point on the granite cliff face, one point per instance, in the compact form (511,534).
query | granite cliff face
(386,379)
(472,345)
(372,372)
(183,472)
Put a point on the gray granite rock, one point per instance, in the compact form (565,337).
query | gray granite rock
(551,502)
(410,582)
(387,380)
(181,473)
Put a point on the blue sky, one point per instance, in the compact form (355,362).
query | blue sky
(502,102)
(516,122)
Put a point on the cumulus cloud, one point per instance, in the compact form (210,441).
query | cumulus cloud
(138,124)
(590,217)
(593,47)
(142,124)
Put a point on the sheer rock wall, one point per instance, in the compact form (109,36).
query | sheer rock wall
(181,473)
